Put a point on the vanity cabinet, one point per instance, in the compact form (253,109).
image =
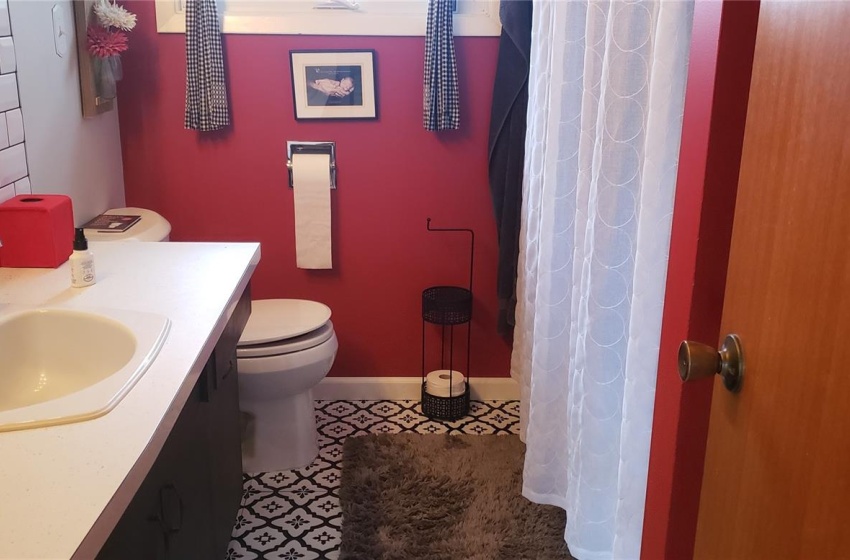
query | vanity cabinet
(186,506)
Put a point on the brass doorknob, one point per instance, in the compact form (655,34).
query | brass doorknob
(697,361)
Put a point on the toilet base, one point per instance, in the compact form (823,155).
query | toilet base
(280,434)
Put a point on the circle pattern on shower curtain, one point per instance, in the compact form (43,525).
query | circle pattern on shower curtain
(602,145)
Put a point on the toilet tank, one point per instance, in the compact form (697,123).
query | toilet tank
(150,227)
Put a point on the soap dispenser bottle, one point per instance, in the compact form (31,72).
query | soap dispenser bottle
(82,261)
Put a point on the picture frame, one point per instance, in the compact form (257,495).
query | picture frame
(333,84)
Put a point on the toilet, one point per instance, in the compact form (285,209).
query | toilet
(150,227)
(287,347)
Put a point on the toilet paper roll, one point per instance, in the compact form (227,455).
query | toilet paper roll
(440,383)
(455,391)
(311,179)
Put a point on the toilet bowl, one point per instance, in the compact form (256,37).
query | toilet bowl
(288,346)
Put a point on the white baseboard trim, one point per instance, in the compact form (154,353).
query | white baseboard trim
(407,388)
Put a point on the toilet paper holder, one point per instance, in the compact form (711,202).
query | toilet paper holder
(297,147)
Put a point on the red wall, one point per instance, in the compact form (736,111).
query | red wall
(232,185)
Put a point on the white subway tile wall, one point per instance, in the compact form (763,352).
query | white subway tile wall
(23,186)
(7,55)
(15,126)
(8,92)
(5,25)
(7,192)
(4,132)
(14,178)
(13,164)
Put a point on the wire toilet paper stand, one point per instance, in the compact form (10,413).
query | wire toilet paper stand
(448,306)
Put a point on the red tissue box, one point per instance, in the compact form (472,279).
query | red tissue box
(36,231)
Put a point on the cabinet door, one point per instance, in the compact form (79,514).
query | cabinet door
(169,518)
(137,536)
(184,495)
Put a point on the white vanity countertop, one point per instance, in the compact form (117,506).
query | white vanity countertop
(63,488)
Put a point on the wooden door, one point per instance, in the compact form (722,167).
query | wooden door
(777,470)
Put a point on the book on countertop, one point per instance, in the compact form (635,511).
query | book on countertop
(112,223)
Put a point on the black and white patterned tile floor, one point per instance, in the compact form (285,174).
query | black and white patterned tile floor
(295,515)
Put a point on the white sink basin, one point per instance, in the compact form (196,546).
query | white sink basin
(62,365)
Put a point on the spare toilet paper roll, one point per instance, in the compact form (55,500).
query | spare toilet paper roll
(311,179)
(439,383)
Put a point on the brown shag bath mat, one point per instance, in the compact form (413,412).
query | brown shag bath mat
(442,497)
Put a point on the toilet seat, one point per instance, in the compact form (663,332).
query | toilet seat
(284,326)
(287,346)
(279,319)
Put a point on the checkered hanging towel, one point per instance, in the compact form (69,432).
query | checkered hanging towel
(206,91)
(440,110)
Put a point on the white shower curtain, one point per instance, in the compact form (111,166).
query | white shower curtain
(604,124)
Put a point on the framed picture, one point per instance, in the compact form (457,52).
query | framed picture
(334,84)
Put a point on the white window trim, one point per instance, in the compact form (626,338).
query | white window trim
(170,18)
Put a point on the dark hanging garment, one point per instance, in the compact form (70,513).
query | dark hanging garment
(206,85)
(441,103)
(507,147)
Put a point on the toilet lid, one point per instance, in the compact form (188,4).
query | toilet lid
(151,227)
(281,319)
(288,346)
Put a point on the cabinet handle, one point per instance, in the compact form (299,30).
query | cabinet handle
(231,367)
(166,521)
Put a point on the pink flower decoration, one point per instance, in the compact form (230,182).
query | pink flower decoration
(103,43)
